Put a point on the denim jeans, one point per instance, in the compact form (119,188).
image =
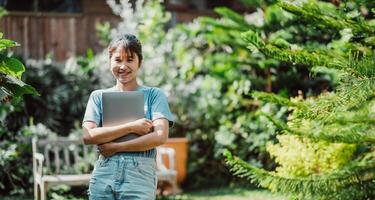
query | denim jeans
(124,176)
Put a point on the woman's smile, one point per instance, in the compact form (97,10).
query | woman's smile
(124,73)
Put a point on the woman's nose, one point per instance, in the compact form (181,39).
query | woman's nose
(122,66)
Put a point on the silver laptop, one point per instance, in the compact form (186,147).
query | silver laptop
(122,107)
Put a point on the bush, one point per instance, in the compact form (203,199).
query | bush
(58,111)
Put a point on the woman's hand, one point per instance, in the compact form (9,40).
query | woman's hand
(108,149)
(142,126)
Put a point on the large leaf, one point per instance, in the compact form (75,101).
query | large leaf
(12,67)
(18,87)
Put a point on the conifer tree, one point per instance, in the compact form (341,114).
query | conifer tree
(342,116)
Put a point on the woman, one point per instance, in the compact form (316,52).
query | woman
(126,170)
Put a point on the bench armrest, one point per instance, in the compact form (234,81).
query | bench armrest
(170,152)
(39,158)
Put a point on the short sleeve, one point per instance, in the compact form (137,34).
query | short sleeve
(160,108)
(93,109)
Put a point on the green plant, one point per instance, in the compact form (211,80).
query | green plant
(11,71)
(12,89)
(56,112)
(300,157)
(332,134)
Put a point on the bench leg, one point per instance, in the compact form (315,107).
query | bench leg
(43,191)
(175,188)
(36,192)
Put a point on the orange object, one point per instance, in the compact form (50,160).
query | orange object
(180,145)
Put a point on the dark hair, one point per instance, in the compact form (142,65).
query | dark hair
(129,42)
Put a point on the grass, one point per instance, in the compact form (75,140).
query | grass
(209,194)
(227,194)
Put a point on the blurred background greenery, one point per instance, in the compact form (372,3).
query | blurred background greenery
(208,71)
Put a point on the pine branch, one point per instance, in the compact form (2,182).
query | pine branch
(354,65)
(268,97)
(309,59)
(341,107)
(335,132)
(362,65)
(352,94)
(310,186)
(364,115)
(311,12)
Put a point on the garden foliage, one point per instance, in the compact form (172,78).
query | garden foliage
(11,70)
(205,68)
(326,150)
(58,111)
(208,89)
(208,73)
(12,89)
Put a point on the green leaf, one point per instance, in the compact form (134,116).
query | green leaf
(5,43)
(12,67)
(218,24)
(234,17)
(18,87)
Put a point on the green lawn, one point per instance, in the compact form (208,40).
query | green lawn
(227,194)
(209,194)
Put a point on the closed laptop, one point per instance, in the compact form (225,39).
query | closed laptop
(122,107)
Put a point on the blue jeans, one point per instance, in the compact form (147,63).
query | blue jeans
(124,176)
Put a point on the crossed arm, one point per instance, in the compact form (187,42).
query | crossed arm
(102,136)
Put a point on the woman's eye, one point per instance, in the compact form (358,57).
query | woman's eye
(118,60)
(130,60)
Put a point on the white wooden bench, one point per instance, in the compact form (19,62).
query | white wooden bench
(60,161)
(164,173)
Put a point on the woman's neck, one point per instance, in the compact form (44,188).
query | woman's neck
(127,87)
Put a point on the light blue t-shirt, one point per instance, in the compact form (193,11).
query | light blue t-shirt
(155,105)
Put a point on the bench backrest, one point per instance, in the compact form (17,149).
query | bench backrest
(63,155)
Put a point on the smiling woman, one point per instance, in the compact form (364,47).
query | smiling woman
(134,159)
(125,59)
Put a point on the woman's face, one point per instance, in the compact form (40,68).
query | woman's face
(124,67)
